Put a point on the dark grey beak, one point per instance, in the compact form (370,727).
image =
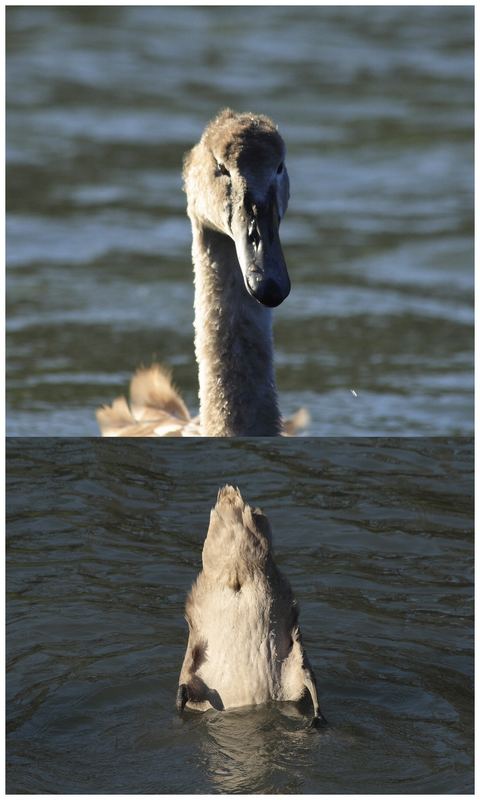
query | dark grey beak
(259,252)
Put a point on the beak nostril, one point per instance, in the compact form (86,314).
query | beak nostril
(253,234)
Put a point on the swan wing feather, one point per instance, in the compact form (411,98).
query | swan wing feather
(156,408)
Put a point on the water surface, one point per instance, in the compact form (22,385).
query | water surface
(104,540)
(376,107)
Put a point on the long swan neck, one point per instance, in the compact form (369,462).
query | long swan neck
(233,344)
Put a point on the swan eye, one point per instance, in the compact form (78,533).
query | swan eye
(280,168)
(221,168)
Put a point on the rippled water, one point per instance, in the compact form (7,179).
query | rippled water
(103,541)
(376,107)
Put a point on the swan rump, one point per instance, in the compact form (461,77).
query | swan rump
(244,646)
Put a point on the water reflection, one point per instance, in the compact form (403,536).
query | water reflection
(259,749)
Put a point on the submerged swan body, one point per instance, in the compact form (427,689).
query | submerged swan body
(237,190)
(244,646)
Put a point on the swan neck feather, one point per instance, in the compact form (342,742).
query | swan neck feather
(233,344)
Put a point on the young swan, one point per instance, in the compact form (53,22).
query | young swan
(237,190)
(244,645)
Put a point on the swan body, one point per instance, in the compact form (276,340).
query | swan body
(244,646)
(237,190)
(156,409)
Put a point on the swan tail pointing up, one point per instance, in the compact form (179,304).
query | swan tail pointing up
(244,645)
(156,408)
(238,540)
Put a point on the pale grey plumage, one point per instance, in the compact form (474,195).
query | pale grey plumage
(244,645)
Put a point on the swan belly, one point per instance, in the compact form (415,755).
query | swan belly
(241,659)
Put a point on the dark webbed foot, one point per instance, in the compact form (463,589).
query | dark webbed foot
(318,721)
(182,697)
(197,692)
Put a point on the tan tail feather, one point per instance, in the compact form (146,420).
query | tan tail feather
(155,404)
(299,421)
(115,417)
(152,391)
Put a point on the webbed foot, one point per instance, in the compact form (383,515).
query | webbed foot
(319,721)
(182,697)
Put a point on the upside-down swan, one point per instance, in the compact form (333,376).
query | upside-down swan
(237,192)
(244,645)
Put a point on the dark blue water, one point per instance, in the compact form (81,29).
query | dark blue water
(104,540)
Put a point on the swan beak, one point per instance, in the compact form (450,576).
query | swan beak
(260,254)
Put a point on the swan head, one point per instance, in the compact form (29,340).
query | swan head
(237,184)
